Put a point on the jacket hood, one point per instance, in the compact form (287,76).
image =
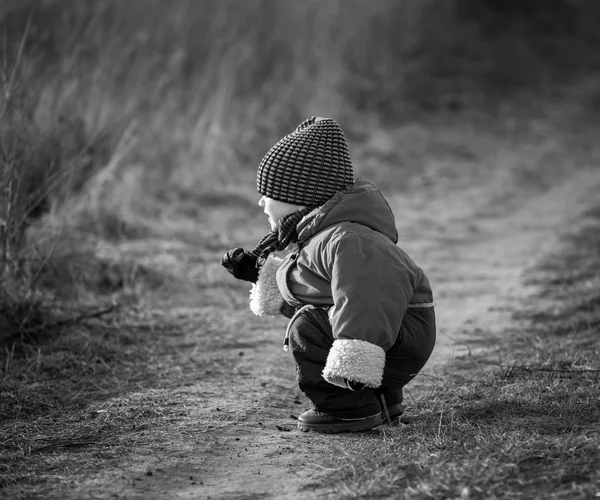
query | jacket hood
(360,203)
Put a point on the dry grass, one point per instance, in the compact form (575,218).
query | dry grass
(192,95)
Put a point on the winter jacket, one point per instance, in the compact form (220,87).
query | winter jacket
(347,260)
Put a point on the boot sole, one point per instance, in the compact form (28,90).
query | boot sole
(347,426)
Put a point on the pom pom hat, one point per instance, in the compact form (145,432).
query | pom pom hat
(307,166)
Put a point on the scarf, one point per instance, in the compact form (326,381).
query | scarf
(279,238)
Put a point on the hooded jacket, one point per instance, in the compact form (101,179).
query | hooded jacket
(348,261)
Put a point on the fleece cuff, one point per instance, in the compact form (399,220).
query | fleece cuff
(355,360)
(265,298)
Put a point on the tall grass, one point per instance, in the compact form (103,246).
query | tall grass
(211,84)
(109,105)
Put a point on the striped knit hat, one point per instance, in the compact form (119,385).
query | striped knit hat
(307,166)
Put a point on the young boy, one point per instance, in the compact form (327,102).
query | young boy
(362,318)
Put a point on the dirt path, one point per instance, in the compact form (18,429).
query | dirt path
(477,276)
(240,441)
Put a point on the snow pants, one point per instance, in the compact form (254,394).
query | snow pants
(310,339)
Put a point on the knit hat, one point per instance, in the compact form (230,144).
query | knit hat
(307,166)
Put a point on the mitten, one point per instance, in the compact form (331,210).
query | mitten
(241,264)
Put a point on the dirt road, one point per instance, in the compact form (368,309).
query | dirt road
(236,436)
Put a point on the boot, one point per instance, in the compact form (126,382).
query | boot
(395,411)
(391,403)
(314,420)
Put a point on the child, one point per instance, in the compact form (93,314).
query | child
(362,318)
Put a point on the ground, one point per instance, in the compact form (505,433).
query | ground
(214,416)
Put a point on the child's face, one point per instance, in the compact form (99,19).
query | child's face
(275,210)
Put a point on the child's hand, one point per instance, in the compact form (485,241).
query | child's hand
(241,264)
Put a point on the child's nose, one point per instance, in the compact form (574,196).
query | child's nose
(261,202)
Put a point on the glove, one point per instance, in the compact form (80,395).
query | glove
(353,385)
(241,264)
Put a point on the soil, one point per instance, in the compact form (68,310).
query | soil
(474,239)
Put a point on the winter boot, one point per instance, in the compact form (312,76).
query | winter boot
(314,420)
(391,403)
